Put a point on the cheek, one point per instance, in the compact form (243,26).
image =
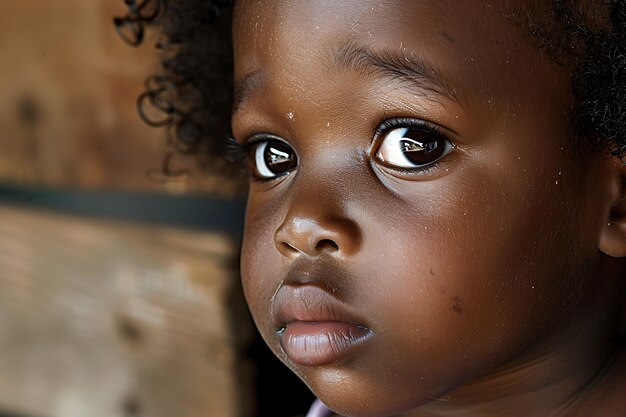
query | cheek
(472,273)
(259,262)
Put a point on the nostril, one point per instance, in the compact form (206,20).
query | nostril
(288,248)
(326,245)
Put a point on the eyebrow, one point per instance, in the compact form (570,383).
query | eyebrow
(394,65)
(389,64)
(245,88)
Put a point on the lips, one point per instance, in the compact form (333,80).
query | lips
(315,328)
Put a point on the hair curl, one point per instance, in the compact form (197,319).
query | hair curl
(192,96)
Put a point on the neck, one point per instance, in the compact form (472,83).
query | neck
(548,381)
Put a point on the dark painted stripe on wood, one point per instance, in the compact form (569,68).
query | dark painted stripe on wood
(199,212)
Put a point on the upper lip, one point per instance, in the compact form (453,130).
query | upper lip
(303,296)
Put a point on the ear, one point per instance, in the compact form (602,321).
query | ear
(613,234)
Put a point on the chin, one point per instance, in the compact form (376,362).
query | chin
(350,394)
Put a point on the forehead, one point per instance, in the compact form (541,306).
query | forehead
(377,21)
(475,48)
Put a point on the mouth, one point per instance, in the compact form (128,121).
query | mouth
(320,343)
(314,328)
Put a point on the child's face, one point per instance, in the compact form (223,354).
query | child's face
(389,266)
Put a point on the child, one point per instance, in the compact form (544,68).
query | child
(436,219)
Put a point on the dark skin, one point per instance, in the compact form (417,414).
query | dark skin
(491,280)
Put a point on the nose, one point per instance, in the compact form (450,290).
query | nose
(312,232)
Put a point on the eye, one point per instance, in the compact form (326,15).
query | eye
(411,147)
(273,158)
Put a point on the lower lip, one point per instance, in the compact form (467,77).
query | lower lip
(320,343)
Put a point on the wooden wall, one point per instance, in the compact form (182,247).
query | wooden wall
(102,318)
(69,86)
(106,319)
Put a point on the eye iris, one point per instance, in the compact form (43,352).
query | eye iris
(279,157)
(420,147)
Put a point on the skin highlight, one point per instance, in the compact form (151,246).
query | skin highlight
(492,280)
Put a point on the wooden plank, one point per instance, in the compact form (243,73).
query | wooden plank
(111,319)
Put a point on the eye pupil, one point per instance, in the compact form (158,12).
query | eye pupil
(279,157)
(276,157)
(273,158)
(420,149)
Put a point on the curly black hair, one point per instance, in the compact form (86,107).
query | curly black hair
(192,95)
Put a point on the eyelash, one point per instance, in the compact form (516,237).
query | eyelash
(235,151)
(396,122)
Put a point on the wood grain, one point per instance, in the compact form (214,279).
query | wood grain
(106,319)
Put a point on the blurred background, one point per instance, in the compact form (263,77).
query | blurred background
(119,289)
